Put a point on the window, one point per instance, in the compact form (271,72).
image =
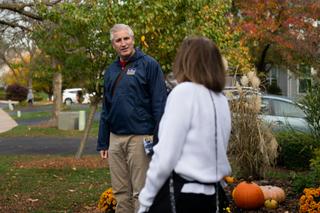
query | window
(303,85)
(273,76)
(265,107)
(305,78)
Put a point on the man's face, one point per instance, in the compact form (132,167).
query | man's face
(123,44)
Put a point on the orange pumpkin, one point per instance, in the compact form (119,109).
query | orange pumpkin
(233,191)
(273,192)
(248,195)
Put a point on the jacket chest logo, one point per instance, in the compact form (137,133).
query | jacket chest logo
(131,71)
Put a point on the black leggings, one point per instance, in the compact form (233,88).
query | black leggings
(191,203)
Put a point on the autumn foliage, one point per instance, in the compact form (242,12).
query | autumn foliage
(282,32)
(19,70)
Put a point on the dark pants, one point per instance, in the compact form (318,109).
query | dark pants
(186,202)
(190,203)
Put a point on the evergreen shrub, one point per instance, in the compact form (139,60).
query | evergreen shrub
(311,179)
(295,149)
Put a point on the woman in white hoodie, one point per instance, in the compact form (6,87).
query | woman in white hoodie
(190,160)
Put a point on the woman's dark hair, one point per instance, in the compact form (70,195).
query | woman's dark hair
(199,60)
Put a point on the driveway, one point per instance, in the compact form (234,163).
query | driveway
(42,145)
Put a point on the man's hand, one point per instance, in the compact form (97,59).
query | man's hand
(104,154)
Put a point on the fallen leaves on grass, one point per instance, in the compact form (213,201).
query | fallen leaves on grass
(19,203)
(32,200)
(63,162)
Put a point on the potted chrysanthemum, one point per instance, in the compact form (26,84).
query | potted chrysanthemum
(107,202)
(310,200)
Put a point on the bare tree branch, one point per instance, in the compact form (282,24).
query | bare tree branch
(20,8)
(13,25)
(3,57)
(52,3)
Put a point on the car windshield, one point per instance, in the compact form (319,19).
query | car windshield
(281,108)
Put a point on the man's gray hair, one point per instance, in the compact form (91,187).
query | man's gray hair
(119,27)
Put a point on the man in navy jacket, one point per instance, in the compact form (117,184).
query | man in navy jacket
(133,103)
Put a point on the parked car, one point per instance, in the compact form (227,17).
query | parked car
(75,95)
(280,112)
(232,92)
(283,113)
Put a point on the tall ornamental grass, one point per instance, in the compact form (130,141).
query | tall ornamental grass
(252,148)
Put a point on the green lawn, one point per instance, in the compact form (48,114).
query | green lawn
(44,188)
(32,115)
(50,183)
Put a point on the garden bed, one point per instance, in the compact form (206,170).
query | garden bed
(291,203)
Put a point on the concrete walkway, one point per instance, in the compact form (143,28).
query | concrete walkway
(6,122)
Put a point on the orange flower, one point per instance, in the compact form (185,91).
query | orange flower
(107,202)
(309,201)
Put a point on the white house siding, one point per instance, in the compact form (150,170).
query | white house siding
(294,85)
(282,81)
(287,82)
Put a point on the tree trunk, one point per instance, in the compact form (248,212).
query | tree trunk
(57,87)
(262,62)
(261,68)
(92,110)
(30,80)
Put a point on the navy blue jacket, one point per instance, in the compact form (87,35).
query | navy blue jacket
(136,103)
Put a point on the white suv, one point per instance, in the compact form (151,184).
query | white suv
(73,95)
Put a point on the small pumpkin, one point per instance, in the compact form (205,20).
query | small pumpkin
(273,192)
(248,195)
(271,204)
(229,179)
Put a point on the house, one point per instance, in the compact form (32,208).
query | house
(291,84)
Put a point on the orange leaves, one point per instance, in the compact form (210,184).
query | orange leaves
(250,28)
(287,27)
(283,42)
